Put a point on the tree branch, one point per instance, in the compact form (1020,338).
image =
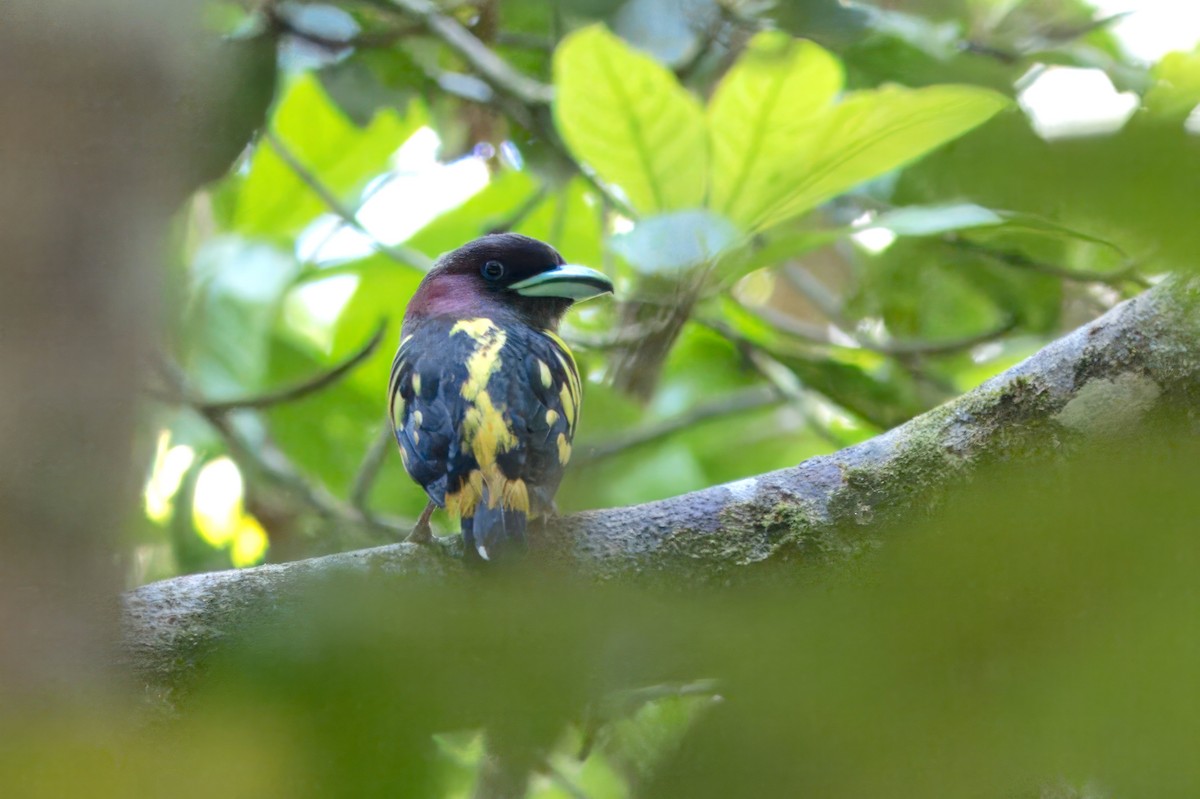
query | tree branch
(748,399)
(298,390)
(267,464)
(400,254)
(1100,380)
(494,70)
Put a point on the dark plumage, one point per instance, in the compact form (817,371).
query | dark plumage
(484,396)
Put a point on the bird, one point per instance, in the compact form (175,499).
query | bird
(484,395)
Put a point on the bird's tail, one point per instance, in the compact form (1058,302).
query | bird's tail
(494,533)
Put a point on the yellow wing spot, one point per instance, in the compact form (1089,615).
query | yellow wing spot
(416,383)
(568,403)
(417,418)
(416,437)
(551,417)
(562,345)
(397,409)
(567,359)
(564,449)
(544,371)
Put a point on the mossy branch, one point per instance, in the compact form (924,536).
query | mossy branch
(1138,359)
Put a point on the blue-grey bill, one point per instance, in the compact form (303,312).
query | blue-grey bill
(569,281)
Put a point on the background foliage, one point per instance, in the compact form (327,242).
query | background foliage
(823,219)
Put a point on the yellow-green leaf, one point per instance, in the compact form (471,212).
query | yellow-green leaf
(626,117)
(760,111)
(871,133)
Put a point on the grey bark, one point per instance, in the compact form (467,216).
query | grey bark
(1102,379)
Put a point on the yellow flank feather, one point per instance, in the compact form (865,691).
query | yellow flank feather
(564,449)
(551,417)
(417,418)
(416,384)
(544,371)
(516,496)
(462,503)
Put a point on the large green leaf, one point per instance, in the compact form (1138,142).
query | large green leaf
(273,200)
(766,104)
(676,242)
(626,117)
(869,134)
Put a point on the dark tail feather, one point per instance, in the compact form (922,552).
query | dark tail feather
(493,533)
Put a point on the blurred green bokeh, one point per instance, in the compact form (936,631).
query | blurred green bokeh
(829,218)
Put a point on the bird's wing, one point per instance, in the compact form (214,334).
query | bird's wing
(542,407)
(426,406)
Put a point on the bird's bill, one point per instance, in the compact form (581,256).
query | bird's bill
(569,281)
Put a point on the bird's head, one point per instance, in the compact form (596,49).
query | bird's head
(505,274)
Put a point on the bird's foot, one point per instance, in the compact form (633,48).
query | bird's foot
(421,532)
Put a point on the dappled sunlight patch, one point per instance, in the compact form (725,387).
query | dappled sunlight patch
(1068,102)
(170,465)
(219,514)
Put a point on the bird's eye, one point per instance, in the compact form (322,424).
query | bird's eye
(493,270)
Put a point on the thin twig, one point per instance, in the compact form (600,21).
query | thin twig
(267,462)
(519,96)
(829,305)
(899,347)
(523,210)
(385,38)
(494,70)
(1022,261)
(303,388)
(398,253)
(778,374)
(748,399)
(817,293)
(368,471)
(560,779)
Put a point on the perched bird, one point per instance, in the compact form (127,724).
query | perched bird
(484,395)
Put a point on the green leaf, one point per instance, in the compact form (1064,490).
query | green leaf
(869,134)
(273,200)
(237,289)
(384,289)
(765,105)
(1176,90)
(627,118)
(929,220)
(675,242)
